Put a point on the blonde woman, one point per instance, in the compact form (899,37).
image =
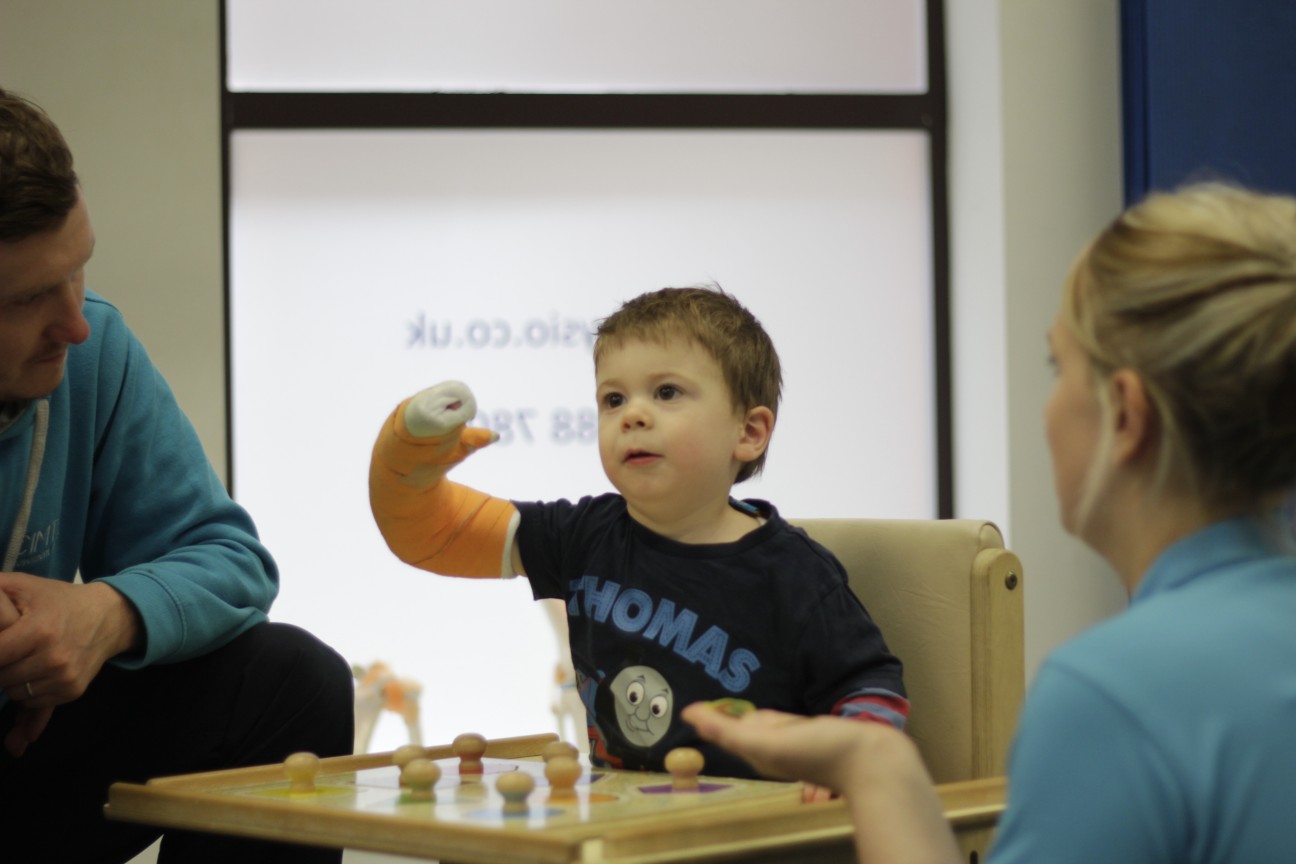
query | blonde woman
(1167,733)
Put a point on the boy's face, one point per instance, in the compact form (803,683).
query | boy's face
(669,435)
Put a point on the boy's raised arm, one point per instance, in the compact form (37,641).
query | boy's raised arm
(428,521)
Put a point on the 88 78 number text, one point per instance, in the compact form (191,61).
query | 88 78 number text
(528,425)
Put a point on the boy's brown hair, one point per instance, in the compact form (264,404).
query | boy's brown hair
(709,317)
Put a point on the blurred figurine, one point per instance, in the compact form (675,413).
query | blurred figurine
(568,709)
(378,689)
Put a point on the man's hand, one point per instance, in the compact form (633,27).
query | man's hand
(8,611)
(63,635)
(30,724)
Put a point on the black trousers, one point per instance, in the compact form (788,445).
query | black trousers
(272,691)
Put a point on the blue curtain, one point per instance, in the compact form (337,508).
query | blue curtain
(1209,92)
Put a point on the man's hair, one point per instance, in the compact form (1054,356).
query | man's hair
(38,186)
(1195,291)
(718,323)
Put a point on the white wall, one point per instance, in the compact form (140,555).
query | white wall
(1035,170)
(135,87)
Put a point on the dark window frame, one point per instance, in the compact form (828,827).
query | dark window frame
(926,112)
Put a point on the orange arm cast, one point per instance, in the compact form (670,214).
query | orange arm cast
(428,521)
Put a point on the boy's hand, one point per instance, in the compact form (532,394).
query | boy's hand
(428,521)
(439,409)
(428,435)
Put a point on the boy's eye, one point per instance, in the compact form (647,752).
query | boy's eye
(612,400)
(666,392)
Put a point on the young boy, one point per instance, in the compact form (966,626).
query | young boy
(675,591)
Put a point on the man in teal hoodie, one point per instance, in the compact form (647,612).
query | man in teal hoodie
(160,658)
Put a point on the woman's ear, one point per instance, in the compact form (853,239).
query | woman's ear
(758,426)
(1133,417)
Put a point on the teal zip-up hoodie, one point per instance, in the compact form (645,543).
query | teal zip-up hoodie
(108,478)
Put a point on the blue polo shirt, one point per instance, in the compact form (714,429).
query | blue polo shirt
(1168,733)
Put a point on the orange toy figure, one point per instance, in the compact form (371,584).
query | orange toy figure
(378,689)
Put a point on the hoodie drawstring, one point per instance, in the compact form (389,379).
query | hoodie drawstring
(37,456)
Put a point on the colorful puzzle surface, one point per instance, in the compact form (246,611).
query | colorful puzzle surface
(360,802)
(598,795)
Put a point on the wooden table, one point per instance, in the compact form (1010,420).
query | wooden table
(617,817)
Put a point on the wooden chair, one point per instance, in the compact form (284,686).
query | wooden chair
(948,597)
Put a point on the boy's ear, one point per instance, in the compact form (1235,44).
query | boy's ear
(758,426)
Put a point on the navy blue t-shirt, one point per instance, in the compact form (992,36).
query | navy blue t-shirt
(656,625)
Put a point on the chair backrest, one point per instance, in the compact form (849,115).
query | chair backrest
(948,598)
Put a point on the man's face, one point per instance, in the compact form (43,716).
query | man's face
(42,289)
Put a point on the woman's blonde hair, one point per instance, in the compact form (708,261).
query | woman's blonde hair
(1195,291)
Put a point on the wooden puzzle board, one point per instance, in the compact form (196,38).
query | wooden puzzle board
(358,803)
